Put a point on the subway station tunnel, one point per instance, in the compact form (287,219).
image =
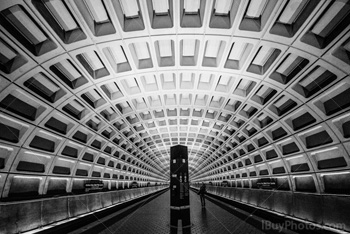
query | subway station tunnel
(95,92)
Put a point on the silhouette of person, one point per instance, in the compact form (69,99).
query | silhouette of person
(202,191)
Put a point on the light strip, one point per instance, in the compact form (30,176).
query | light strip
(65,160)
(6,53)
(51,135)
(58,178)
(85,164)
(61,14)
(25,25)
(335,173)
(325,150)
(256,8)
(274,162)
(36,154)
(96,10)
(295,157)
(288,139)
(341,117)
(76,144)
(130,8)
(13,121)
(292,11)
(310,130)
(80,180)
(28,177)
(6,148)
(331,18)
(302,176)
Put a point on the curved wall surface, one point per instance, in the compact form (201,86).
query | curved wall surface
(100,89)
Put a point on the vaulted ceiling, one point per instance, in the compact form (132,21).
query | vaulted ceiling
(247,86)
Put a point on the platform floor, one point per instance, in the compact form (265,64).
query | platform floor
(154,217)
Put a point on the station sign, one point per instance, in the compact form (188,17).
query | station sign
(267,183)
(93,185)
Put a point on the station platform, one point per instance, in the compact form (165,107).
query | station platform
(152,216)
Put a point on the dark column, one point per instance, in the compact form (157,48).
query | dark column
(179,189)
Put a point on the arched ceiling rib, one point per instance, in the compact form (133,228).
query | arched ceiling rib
(124,80)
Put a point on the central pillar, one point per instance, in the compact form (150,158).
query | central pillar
(179,189)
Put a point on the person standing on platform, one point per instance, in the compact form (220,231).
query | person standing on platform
(202,191)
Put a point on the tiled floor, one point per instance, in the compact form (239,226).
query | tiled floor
(154,217)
